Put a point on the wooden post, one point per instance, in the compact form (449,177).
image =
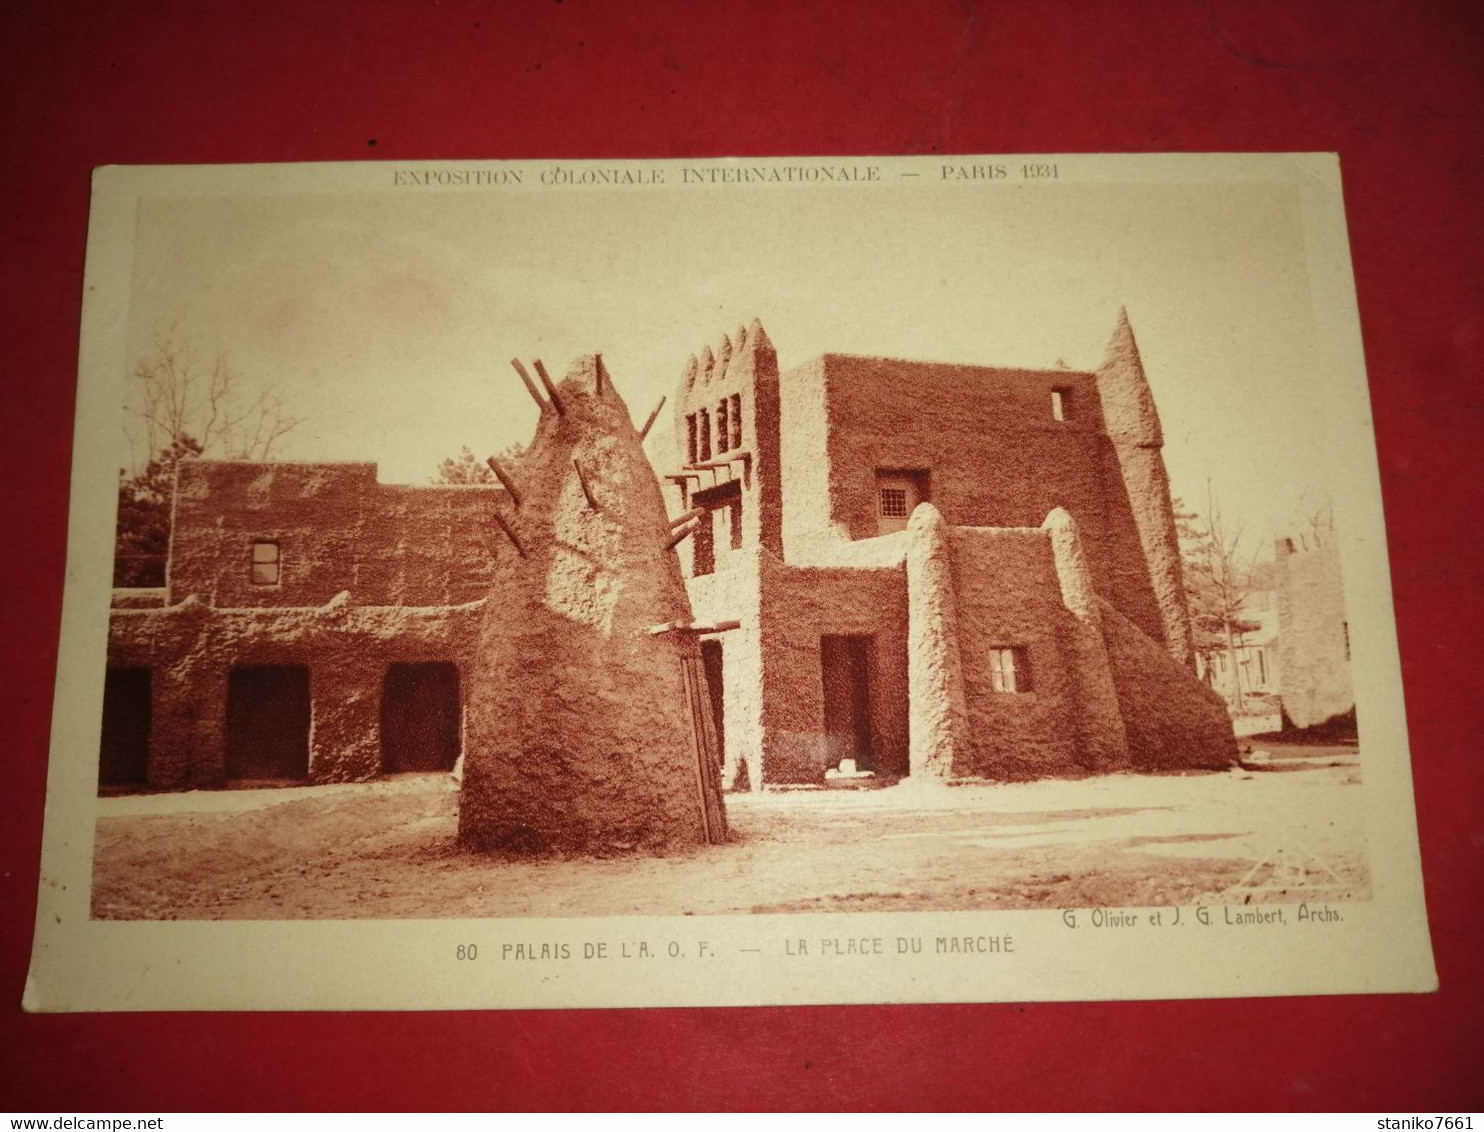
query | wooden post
(687,529)
(551,389)
(694,707)
(530,385)
(505,481)
(510,534)
(654,416)
(586,491)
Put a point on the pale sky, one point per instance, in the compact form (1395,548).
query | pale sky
(388,320)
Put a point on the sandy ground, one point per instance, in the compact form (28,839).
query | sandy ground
(1291,831)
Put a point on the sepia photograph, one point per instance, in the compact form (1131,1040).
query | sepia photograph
(830,556)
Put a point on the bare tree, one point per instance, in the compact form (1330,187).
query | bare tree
(180,408)
(1216,585)
(177,396)
(1321,523)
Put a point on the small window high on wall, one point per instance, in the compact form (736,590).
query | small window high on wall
(267,563)
(897,493)
(1061,403)
(1009,670)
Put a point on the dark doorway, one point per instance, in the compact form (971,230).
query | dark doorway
(711,664)
(123,758)
(268,722)
(846,666)
(420,717)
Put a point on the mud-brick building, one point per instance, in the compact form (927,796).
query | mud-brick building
(1313,636)
(933,570)
(943,570)
(315,624)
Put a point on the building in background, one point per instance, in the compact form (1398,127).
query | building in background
(1313,636)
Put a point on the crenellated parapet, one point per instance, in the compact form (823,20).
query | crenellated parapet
(726,443)
(716,401)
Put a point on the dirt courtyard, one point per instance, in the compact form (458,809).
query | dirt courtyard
(1290,828)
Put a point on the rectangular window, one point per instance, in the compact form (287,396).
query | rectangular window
(893,503)
(722,435)
(734,419)
(703,433)
(266,563)
(897,494)
(1061,403)
(690,439)
(1009,670)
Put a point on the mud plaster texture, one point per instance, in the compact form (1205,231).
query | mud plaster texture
(1036,527)
(336,529)
(370,576)
(192,649)
(1053,536)
(580,738)
(1313,658)
(1132,422)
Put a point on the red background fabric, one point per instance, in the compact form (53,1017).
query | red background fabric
(1394,87)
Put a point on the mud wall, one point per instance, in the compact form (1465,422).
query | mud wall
(1132,422)
(1008,596)
(995,455)
(799,606)
(191,650)
(336,529)
(582,737)
(807,460)
(1173,721)
(1313,636)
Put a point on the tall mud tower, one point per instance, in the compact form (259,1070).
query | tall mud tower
(586,729)
(1133,424)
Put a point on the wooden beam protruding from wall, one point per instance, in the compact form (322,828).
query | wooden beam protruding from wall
(587,491)
(653,416)
(551,390)
(529,384)
(510,534)
(505,480)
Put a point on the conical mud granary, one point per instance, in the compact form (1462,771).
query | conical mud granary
(588,730)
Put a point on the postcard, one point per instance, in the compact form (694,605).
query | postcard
(725,582)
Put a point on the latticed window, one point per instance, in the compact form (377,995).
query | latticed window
(266,563)
(898,492)
(1009,670)
(893,503)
